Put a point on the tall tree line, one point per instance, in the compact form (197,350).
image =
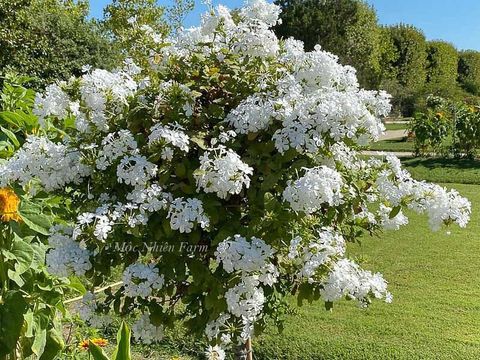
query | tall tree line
(396,58)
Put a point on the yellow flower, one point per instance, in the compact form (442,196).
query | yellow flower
(439,114)
(9,205)
(84,345)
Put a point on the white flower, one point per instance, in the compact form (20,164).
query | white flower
(348,279)
(114,146)
(245,300)
(141,280)
(222,172)
(103,226)
(393,223)
(135,170)
(319,186)
(145,332)
(53,165)
(252,115)
(184,214)
(252,256)
(55,102)
(169,135)
(309,256)
(87,310)
(65,256)
(215,353)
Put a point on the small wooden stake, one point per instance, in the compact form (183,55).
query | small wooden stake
(245,352)
(248,348)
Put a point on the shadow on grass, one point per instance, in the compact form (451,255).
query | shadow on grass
(432,163)
(441,170)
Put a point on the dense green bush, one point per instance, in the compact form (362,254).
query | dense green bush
(447,127)
(50,39)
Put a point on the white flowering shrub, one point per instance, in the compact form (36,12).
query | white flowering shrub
(225,176)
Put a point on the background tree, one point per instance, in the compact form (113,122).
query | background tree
(469,71)
(407,68)
(121,15)
(50,39)
(442,63)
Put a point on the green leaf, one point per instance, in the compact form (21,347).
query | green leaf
(77,285)
(33,217)
(39,341)
(11,320)
(96,352)
(23,253)
(394,212)
(53,346)
(11,136)
(122,352)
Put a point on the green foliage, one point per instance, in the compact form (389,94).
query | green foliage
(30,299)
(442,63)
(125,21)
(447,127)
(50,39)
(16,118)
(407,70)
(469,71)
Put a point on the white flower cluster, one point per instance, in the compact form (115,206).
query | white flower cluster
(53,165)
(135,170)
(319,186)
(142,203)
(87,310)
(348,279)
(248,257)
(391,223)
(244,300)
(215,353)
(66,257)
(142,280)
(309,256)
(220,326)
(441,206)
(145,332)
(300,107)
(251,115)
(184,214)
(169,135)
(54,102)
(223,172)
(114,146)
(99,87)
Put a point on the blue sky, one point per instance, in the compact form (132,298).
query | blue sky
(455,21)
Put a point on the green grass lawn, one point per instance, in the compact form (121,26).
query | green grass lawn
(436,309)
(463,171)
(396,126)
(392,145)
